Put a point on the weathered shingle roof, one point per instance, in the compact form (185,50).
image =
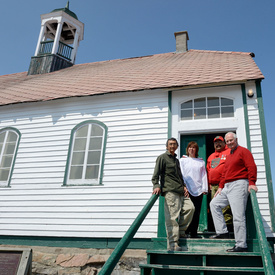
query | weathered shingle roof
(194,67)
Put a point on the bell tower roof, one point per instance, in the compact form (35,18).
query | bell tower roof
(67,10)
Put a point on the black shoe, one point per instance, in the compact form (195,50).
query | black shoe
(237,249)
(195,237)
(220,236)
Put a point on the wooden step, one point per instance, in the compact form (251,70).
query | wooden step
(209,252)
(186,258)
(205,244)
(158,269)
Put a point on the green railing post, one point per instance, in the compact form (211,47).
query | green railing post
(124,242)
(265,252)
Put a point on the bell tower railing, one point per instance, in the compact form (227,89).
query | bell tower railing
(64,50)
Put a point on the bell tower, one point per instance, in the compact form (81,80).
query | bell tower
(58,41)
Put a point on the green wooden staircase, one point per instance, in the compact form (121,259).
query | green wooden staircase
(204,256)
(209,257)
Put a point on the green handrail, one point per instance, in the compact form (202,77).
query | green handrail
(124,242)
(265,252)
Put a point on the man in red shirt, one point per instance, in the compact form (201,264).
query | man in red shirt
(215,165)
(238,178)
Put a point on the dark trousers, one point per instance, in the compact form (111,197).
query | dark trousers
(193,227)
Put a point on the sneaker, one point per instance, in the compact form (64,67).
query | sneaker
(220,236)
(237,249)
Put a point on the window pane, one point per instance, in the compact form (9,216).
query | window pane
(187,105)
(80,144)
(186,115)
(227,112)
(4,174)
(2,137)
(199,113)
(12,137)
(213,101)
(96,130)
(213,112)
(92,172)
(82,132)
(94,157)
(200,102)
(76,172)
(95,143)
(86,154)
(6,161)
(226,101)
(78,158)
(9,148)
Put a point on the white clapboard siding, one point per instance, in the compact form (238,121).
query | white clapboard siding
(37,203)
(257,151)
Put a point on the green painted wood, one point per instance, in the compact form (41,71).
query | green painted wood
(234,269)
(246,118)
(265,251)
(161,218)
(124,242)
(224,259)
(85,243)
(201,141)
(207,252)
(266,154)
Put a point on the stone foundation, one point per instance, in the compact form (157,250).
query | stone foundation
(77,261)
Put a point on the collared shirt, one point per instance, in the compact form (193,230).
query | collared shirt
(215,165)
(239,164)
(167,174)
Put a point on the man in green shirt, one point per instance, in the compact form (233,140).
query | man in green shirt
(178,208)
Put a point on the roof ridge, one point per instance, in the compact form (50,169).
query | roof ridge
(221,52)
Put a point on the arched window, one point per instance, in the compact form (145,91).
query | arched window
(86,154)
(207,108)
(9,140)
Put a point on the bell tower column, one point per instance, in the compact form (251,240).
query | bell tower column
(75,46)
(40,39)
(57,38)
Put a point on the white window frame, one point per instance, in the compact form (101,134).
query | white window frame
(84,181)
(6,183)
(206,108)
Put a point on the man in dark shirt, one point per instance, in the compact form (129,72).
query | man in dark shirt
(178,208)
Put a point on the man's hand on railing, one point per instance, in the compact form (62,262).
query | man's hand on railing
(156,191)
(254,187)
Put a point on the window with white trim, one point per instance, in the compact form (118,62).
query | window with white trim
(9,139)
(86,154)
(207,108)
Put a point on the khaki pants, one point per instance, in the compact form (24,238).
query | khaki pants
(179,212)
(234,193)
(227,210)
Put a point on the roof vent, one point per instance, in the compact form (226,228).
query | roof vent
(181,41)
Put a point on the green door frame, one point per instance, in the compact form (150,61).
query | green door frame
(201,141)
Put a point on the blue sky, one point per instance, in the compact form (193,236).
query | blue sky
(128,28)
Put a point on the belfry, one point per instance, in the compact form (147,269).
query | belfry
(58,41)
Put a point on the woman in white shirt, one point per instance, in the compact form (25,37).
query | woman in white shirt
(195,177)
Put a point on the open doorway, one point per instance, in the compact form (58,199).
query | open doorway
(206,148)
